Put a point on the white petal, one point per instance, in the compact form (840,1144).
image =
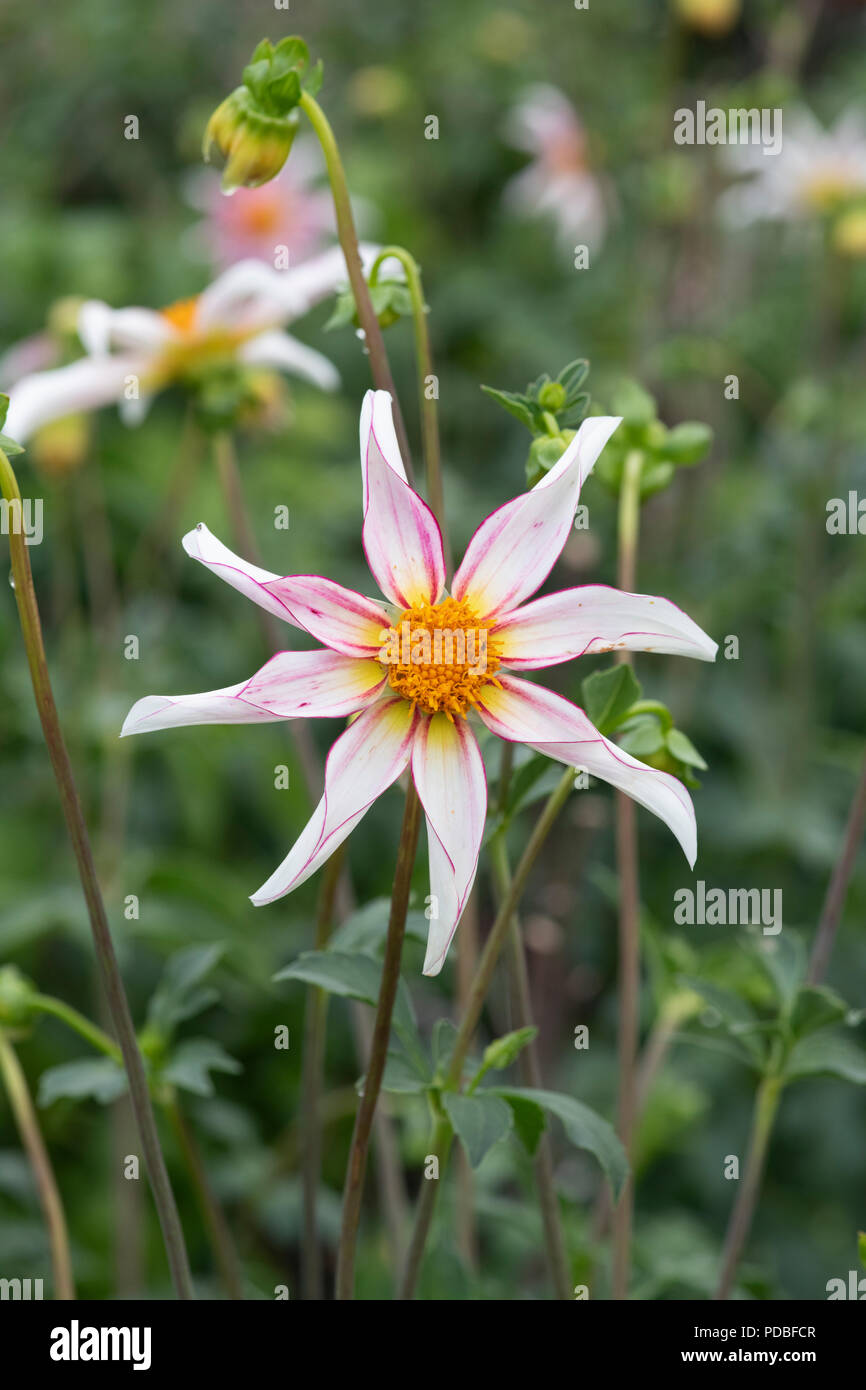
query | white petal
(249,579)
(595,618)
(449,776)
(402,540)
(514,550)
(84,385)
(362,764)
(292,685)
(525,713)
(275,349)
(102,329)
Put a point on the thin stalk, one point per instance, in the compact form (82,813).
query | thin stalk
(222,1244)
(229,476)
(551,1217)
(91,1032)
(443,1133)
(837,889)
(428,402)
(311,1086)
(763,1118)
(628,985)
(357,1165)
(348,237)
(46,1183)
(28,612)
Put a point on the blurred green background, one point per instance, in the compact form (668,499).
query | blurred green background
(191,822)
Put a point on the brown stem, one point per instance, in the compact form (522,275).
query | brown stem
(357,1165)
(31,627)
(766,1104)
(221,1240)
(837,889)
(46,1183)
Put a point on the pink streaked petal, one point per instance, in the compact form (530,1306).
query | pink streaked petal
(401,538)
(292,685)
(514,550)
(250,580)
(362,764)
(596,618)
(525,713)
(449,776)
(342,619)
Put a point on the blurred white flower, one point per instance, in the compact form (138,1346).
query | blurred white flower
(817,171)
(559,181)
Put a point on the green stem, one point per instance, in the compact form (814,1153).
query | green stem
(91,1033)
(220,1236)
(628,984)
(763,1118)
(357,1165)
(348,237)
(837,889)
(428,403)
(46,1183)
(311,1086)
(443,1133)
(551,1217)
(31,628)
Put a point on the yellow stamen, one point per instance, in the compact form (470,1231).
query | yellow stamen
(440,656)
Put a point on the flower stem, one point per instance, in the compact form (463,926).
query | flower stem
(229,476)
(311,1085)
(428,403)
(348,236)
(357,1165)
(551,1219)
(443,1134)
(46,1183)
(91,1033)
(838,886)
(763,1117)
(628,986)
(221,1240)
(31,628)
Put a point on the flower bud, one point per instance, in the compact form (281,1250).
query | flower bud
(16,995)
(61,446)
(254,145)
(849,234)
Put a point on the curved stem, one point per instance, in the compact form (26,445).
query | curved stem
(31,628)
(46,1183)
(429,410)
(357,1165)
(91,1032)
(311,1085)
(348,236)
(474,1005)
(763,1117)
(551,1218)
(221,1240)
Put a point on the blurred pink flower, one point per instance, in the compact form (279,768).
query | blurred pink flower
(559,181)
(289,211)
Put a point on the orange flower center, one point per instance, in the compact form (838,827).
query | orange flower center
(440,656)
(181,314)
(260,216)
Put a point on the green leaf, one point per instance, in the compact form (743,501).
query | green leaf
(584,1127)
(503,1051)
(366,928)
(609,695)
(641,736)
(192,1061)
(529,1121)
(9,447)
(355,976)
(783,959)
(531,780)
(655,477)
(682,748)
(633,403)
(4,407)
(444,1039)
(824,1054)
(479,1121)
(573,376)
(402,1076)
(861,1247)
(95,1078)
(177,996)
(518,406)
(816,1007)
(688,442)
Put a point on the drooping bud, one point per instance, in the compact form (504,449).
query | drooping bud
(255,126)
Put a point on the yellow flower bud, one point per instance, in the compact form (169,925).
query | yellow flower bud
(711,17)
(255,146)
(849,234)
(61,446)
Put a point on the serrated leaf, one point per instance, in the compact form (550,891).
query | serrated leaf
(516,405)
(191,1063)
(479,1121)
(355,976)
(825,1054)
(609,695)
(530,1121)
(682,748)
(93,1078)
(586,1130)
